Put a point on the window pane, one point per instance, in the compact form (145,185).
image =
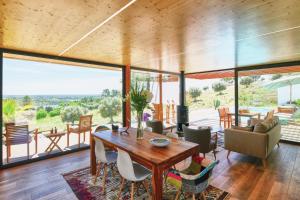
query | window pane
(47,97)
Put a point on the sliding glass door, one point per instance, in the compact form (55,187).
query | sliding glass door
(42,99)
(277,89)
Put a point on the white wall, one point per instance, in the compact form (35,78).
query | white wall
(284,94)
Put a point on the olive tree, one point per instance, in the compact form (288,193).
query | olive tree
(195,93)
(72,113)
(219,87)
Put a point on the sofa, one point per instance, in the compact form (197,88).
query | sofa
(256,140)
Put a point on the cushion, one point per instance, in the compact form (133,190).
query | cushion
(270,115)
(254,121)
(248,128)
(262,127)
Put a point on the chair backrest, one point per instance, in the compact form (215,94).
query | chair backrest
(222,112)
(100,151)
(85,122)
(155,125)
(198,183)
(16,134)
(199,136)
(125,166)
(101,128)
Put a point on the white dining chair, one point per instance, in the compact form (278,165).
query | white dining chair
(107,158)
(131,171)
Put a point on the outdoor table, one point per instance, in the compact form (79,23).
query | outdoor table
(54,138)
(250,115)
(156,159)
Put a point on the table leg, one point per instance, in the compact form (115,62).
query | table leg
(92,155)
(157,183)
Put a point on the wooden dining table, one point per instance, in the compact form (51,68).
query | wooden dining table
(156,159)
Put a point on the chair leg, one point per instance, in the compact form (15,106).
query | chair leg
(84,136)
(203,196)
(203,155)
(97,172)
(214,151)
(193,197)
(7,153)
(78,140)
(68,139)
(132,190)
(228,153)
(145,184)
(27,151)
(278,145)
(178,194)
(121,187)
(264,162)
(104,177)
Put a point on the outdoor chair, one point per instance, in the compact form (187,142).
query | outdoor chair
(105,158)
(18,134)
(85,125)
(194,180)
(203,137)
(131,171)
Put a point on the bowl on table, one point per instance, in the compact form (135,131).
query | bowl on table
(159,142)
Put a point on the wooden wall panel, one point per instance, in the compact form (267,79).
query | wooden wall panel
(169,35)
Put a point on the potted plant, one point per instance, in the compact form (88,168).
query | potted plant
(139,98)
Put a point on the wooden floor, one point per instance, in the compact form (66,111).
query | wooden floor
(242,176)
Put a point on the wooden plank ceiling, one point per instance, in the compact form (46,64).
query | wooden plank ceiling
(169,35)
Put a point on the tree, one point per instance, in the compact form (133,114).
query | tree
(195,93)
(9,110)
(219,87)
(72,113)
(27,100)
(276,76)
(246,81)
(205,88)
(110,107)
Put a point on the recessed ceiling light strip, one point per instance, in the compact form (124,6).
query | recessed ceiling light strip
(97,27)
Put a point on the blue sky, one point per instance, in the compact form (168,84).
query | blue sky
(38,78)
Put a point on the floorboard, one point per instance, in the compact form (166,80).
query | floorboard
(242,176)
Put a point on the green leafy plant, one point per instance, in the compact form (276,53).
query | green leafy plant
(276,76)
(139,98)
(9,110)
(246,81)
(48,108)
(42,113)
(219,87)
(72,113)
(54,113)
(217,103)
(195,93)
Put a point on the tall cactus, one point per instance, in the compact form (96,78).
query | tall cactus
(217,103)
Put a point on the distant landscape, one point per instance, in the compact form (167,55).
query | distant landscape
(48,111)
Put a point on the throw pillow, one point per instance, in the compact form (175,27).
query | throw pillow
(262,127)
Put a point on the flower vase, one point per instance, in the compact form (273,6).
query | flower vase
(140,130)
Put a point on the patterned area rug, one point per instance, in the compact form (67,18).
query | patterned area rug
(81,182)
